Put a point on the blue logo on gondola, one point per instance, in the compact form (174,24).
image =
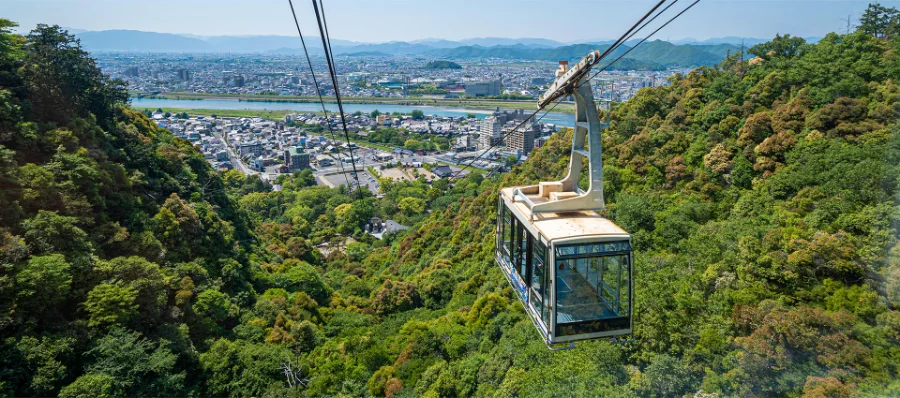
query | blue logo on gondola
(518,284)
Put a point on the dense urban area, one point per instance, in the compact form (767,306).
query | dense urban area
(379,143)
(395,76)
(386,141)
(413,140)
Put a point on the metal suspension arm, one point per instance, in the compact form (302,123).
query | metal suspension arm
(564,195)
(566,80)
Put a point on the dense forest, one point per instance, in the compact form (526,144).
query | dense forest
(762,196)
(442,65)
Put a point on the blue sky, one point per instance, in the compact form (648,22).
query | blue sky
(386,20)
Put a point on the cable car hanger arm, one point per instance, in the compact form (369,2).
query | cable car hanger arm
(566,80)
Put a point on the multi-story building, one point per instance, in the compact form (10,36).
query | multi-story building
(489,132)
(296,158)
(521,140)
(184,74)
(383,119)
(507,116)
(484,88)
(466,141)
(252,148)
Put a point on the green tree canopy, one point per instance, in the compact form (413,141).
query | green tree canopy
(880,21)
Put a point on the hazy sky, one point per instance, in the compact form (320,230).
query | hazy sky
(386,20)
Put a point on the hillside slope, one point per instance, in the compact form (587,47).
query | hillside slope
(762,196)
(763,201)
(117,240)
(650,55)
(764,211)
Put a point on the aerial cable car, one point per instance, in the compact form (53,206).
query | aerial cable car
(570,266)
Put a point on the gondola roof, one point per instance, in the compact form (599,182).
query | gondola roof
(556,226)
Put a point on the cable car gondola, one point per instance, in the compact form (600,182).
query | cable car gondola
(570,266)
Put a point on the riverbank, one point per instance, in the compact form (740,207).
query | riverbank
(261,113)
(277,110)
(471,103)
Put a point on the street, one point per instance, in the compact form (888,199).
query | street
(235,160)
(333,176)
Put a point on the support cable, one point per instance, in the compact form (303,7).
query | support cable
(642,41)
(327,35)
(637,27)
(661,12)
(318,91)
(624,37)
(320,18)
(502,139)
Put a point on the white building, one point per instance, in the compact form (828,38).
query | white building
(490,132)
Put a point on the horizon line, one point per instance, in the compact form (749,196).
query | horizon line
(426,39)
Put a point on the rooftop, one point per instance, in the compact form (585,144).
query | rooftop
(442,171)
(295,151)
(577,224)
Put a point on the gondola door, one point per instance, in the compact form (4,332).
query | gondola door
(538,293)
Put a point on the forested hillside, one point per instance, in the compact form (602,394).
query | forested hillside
(652,55)
(762,196)
(117,241)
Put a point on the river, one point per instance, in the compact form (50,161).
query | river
(562,119)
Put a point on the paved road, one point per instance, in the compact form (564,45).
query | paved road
(365,157)
(235,160)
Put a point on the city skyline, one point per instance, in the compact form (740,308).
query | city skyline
(375,21)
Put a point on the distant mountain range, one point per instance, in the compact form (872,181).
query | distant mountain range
(489,42)
(748,41)
(139,41)
(655,54)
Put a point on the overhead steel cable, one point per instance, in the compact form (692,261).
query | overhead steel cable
(566,90)
(644,25)
(320,17)
(649,21)
(327,35)
(642,41)
(624,37)
(326,39)
(316,85)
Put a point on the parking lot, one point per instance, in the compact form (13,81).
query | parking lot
(334,180)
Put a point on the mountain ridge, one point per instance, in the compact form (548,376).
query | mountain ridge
(763,201)
(654,54)
(484,47)
(651,55)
